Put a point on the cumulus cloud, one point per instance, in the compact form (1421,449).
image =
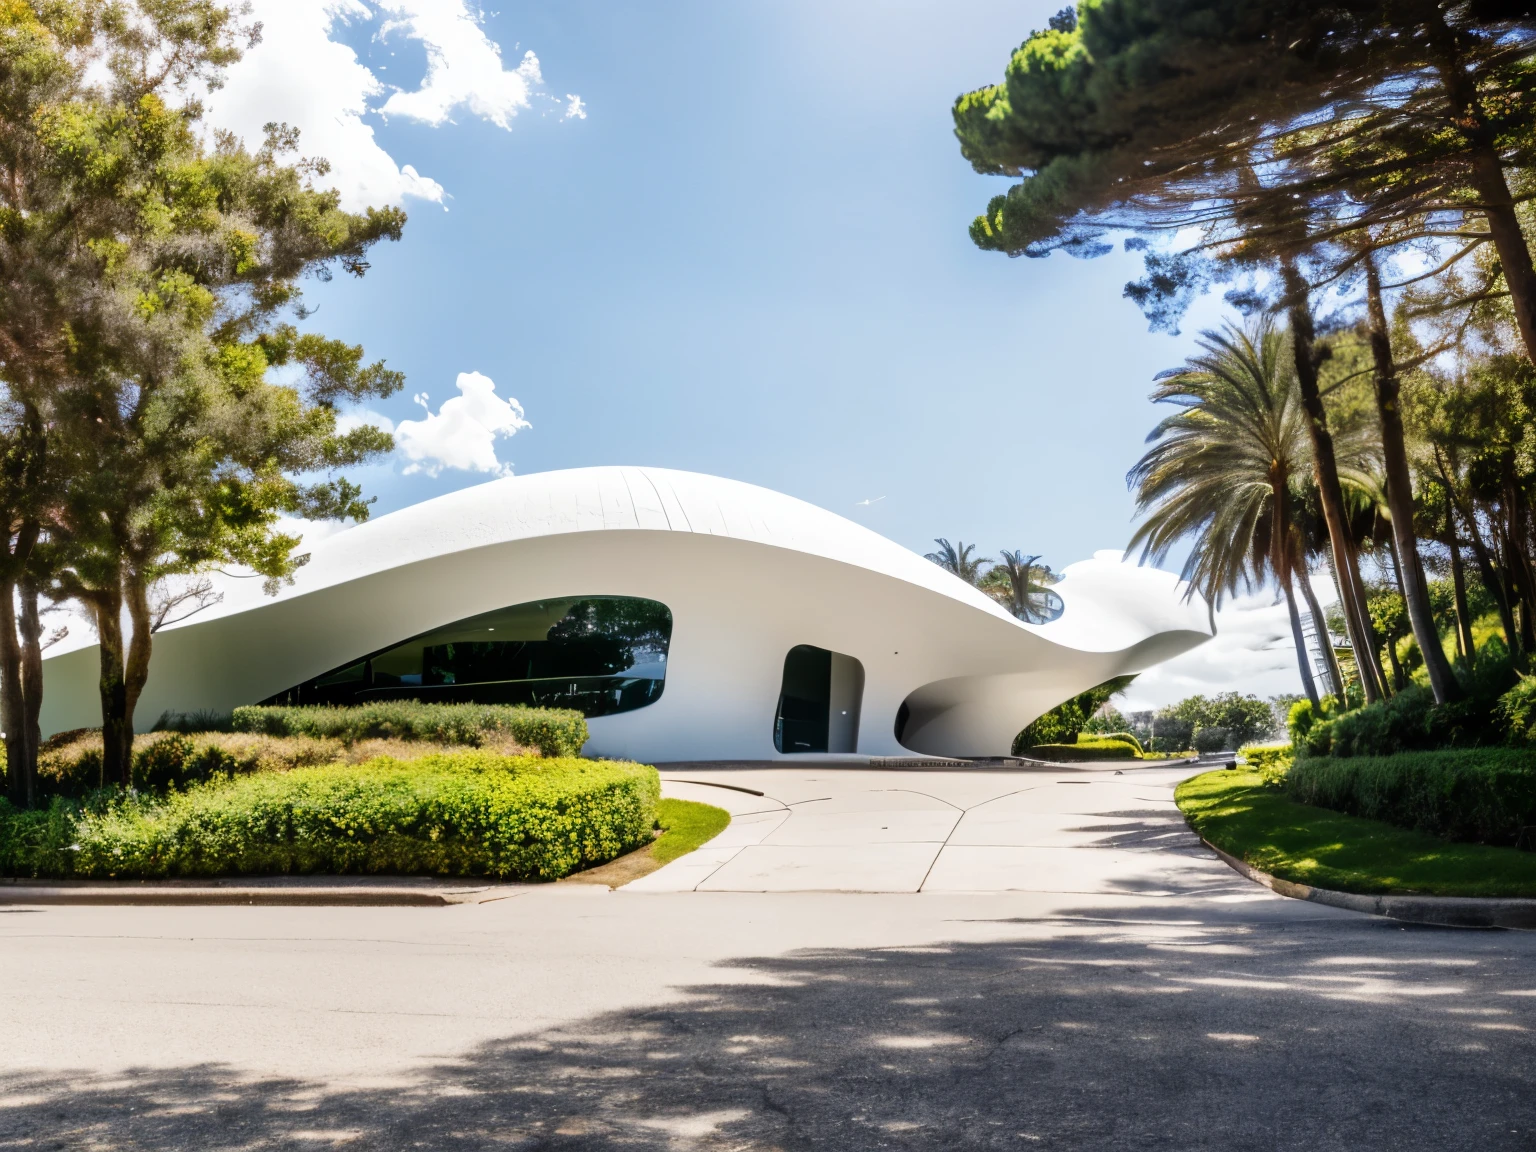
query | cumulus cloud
(574,108)
(464,66)
(302,76)
(462,434)
(1251,652)
(299,76)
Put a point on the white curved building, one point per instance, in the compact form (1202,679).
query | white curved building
(691,617)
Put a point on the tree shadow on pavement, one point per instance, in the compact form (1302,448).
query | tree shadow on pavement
(1189,1031)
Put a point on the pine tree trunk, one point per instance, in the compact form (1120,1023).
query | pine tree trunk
(1494,583)
(1498,208)
(136,668)
(1324,639)
(12,710)
(1329,488)
(1464,640)
(31,672)
(1399,679)
(1486,175)
(116,726)
(17,686)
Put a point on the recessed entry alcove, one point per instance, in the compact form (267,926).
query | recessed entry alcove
(819,702)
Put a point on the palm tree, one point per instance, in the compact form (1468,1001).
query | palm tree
(1220,470)
(1022,586)
(956,558)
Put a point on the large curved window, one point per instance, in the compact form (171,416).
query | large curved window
(599,654)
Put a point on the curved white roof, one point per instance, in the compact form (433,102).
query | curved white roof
(611,499)
(1110,605)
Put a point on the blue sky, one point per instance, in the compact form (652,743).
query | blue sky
(741,250)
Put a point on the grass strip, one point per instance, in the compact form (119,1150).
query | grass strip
(1327,849)
(685,825)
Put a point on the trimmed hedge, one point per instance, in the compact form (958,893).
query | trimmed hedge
(1096,750)
(460,814)
(1484,796)
(1123,737)
(553,731)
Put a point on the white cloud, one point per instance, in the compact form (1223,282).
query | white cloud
(575,108)
(1252,652)
(462,433)
(347,421)
(464,66)
(299,75)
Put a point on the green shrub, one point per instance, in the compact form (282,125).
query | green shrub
(70,764)
(202,720)
(1412,721)
(1126,737)
(1261,757)
(1083,750)
(1516,710)
(1271,761)
(1212,739)
(553,731)
(1481,795)
(459,814)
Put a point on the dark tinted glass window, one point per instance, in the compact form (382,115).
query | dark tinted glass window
(599,654)
(804,701)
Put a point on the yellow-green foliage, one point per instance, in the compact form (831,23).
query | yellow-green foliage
(1270,761)
(553,731)
(1124,737)
(460,814)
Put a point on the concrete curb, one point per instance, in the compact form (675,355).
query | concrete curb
(329,891)
(1448,911)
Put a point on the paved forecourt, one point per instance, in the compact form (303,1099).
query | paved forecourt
(830,828)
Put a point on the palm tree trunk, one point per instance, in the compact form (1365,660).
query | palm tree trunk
(1351,591)
(1303,657)
(1324,639)
(1280,561)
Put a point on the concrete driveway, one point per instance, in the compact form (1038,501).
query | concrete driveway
(1102,985)
(825,828)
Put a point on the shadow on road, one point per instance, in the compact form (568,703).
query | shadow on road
(1188,1031)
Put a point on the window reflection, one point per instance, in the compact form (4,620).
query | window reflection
(598,654)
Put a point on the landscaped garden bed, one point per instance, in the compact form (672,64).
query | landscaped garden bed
(1265,826)
(402,789)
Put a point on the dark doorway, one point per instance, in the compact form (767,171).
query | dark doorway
(819,702)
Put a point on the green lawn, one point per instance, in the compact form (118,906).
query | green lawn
(1327,849)
(685,825)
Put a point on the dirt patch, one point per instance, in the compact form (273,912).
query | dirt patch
(617,873)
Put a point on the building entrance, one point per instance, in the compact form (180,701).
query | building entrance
(819,702)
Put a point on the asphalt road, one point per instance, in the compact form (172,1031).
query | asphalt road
(1212,1015)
